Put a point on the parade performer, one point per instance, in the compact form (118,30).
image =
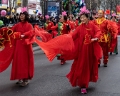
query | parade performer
(80,46)
(18,52)
(58,27)
(66,30)
(106,28)
(66,25)
(72,23)
(48,25)
(114,41)
(63,28)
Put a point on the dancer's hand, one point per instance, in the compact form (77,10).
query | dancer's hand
(22,36)
(94,39)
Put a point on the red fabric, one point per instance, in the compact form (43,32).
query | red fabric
(72,25)
(107,27)
(113,42)
(22,64)
(113,29)
(105,49)
(55,33)
(16,35)
(65,29)
(7,58)
(103,26)
(45,36)
(6,33)
(6,54)
(118,9)
(107,12)
(118,27)
(77,23)
(85,53)
(29,37)
(113,45)
(53,28)
(85,66)
(55,46)
(50,24)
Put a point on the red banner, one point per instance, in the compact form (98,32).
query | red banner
(118,9)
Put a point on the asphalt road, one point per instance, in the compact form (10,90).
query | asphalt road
(50,80)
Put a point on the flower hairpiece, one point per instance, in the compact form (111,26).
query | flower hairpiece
(84,10)
(47,16)
(64,13)
(114,15)
(23,9)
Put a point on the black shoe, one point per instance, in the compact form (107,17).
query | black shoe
(99,66)
(105,65)
(19,82)
(58,58)
(116,53)
(110,53)
(23,84)
(63,62)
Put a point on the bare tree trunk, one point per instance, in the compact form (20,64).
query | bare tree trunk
(10,3)
(24,3)
(14,1)
(69,11)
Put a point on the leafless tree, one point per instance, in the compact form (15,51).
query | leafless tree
(102,4)
(91,4)
(14,3)
(25,3)
(10,3)
(109,4)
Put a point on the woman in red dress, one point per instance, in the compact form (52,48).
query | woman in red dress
(72,23)
(23,63)
(65,30)
(48,25)
(85,65)
(86,52)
